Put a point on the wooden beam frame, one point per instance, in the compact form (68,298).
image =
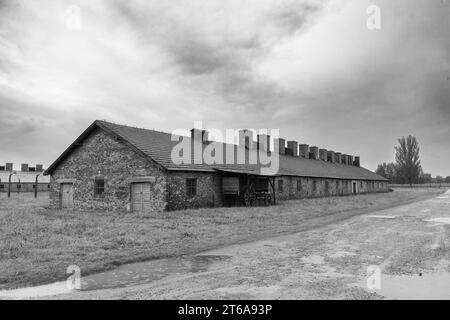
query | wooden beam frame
(272,183)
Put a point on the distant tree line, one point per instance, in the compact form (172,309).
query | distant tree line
(407,168)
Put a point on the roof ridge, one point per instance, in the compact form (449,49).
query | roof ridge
(128,126)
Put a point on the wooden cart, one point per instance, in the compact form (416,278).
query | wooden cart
(248,189)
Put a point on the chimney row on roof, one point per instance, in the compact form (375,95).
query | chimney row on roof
(23,167)
(263,143)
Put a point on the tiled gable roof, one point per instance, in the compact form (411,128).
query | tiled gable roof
(158,146)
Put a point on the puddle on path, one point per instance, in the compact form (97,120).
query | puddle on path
(313,259)
(341,254)
(124,276)
(381,217)
(440,220)
(36,292)
(414,287)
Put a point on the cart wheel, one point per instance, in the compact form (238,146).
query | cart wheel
(248,199)
(268,200)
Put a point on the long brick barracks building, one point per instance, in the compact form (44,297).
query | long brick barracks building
(116,167)
(23,180)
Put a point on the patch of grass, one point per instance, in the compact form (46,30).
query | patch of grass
(38,244)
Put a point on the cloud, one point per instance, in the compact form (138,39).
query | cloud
(292,16)
(309,68)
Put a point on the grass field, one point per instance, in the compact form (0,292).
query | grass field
(37,244)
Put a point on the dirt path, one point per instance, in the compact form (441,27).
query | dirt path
(327,259)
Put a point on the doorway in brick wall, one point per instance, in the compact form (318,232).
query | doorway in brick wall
(140,197)
(67,195)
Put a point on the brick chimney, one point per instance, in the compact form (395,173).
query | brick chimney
(304,150)
(356,162)
(199,135)
(263,142)
(331,157)
(280,145)
(350,160)
(344,159)
(323,154)
(24,167)
(338,157)
(39,168)
(315,152)
(246,139)
(293,145)
(9,166)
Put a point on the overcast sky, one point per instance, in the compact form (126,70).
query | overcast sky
(309,68)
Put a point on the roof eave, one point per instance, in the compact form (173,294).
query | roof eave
(72,146)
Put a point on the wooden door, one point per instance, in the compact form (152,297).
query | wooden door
(354,187)
(140,197)
(66,195)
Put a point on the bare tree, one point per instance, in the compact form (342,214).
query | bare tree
(407,158)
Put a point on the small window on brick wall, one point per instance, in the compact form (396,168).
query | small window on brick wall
(191,187)
(299,185)
(99,186)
